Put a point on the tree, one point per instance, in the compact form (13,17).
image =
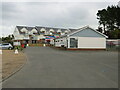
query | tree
(101,16)
(8,39)
(100,29)
(109,19)
(114,34)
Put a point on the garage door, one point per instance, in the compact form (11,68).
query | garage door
(91,42)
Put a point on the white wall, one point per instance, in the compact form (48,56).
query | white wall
(21,37)
(16,33)
(91,42)
(52,42)
(18,36)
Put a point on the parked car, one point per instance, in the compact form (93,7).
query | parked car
(6,46)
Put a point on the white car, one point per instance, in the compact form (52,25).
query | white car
(6,46)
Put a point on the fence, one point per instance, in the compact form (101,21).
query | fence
(113,44)
(41,45)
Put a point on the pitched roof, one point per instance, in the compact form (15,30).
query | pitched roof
(27,28)
(38,28)
(48,28)
(20,27)
(30,28)
(83,28)
(73,31)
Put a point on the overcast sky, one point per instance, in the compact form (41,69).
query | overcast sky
(51,14)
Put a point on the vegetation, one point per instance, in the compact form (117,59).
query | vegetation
(8,39)
(109,21)
(19,48)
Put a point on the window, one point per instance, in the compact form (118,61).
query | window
(59,33)
(73,43)
(5,44)
(22,32)
(34,33)
(42,31)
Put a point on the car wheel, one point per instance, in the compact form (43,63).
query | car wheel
(9,48)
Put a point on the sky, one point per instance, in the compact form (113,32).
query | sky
(50,14)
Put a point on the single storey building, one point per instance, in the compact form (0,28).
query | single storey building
(83,38)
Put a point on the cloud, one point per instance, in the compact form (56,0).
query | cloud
(119,3)
(53,14)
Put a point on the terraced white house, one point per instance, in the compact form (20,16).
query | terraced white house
(37,34)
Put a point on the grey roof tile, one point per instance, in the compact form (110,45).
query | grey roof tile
(38,28)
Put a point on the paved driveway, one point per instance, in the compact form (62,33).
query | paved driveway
(51,68)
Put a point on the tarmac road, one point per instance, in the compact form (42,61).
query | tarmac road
(51,68)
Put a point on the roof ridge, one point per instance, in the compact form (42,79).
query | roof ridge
(87,26)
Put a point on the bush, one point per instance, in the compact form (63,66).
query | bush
(18,47)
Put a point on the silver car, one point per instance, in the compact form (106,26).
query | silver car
(6,46)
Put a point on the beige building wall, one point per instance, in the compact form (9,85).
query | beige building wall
(91,42)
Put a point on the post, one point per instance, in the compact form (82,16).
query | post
(16,51)
(68,42)
(44,45)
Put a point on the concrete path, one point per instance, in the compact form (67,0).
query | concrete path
(51,68)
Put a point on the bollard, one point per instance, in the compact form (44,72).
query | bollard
(44,45)
(16,51)
(27,45)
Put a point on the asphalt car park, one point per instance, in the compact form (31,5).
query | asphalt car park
(51,68)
